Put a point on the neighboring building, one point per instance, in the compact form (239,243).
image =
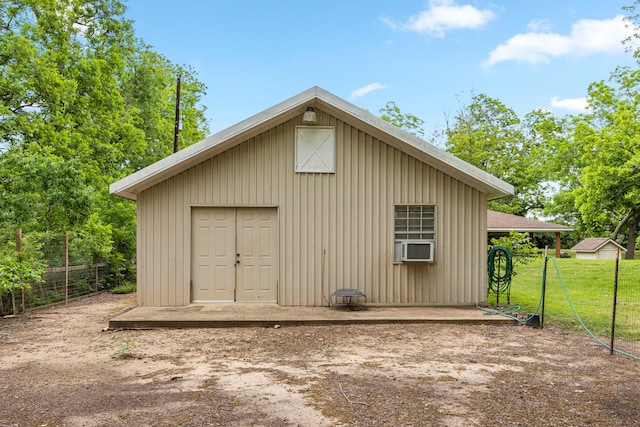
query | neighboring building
(598,248)
(277,209)
(500,224)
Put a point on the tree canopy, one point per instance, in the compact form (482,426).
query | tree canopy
(83,102)
(491,136)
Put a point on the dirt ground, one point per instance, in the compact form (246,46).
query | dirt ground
(59,368)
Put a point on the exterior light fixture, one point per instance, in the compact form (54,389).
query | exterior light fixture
(309,116)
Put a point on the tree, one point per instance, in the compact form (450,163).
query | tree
(490,136)
(19,268)
(408,122)
(149,91)
(609,195)
(82,104)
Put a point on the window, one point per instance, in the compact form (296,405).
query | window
(315,149)
(415,232)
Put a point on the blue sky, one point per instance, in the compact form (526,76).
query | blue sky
(426,55)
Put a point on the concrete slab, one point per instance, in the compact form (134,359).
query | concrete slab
(268,315)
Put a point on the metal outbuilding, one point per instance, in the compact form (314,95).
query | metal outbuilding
(309,196)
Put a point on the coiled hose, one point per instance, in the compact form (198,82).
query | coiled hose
(500,266)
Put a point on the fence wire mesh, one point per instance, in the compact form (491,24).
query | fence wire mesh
(579,295)
(82,280)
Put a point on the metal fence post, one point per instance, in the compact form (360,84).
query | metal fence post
(544,286)
(66,267)
(615,300)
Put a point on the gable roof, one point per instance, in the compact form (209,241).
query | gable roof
(503,222)
(594,244)
(322,100)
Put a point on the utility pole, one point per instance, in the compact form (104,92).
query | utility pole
(176,129)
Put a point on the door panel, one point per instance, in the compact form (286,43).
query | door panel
(256,275)
(221,233)
(213,258)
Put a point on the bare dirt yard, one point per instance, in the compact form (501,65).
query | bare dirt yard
(58,368)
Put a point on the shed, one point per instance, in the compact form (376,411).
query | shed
(277,209)
(501,224)
(597,248)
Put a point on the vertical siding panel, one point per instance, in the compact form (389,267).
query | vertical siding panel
(338,257)
(360,235)
(448,277)
(327,225)
(296,217)
(316,244)
(141,250)
(386,223)
(155,260)
(302,207)
(292,266)
(334,217)
(443,228)
(357,244)
(161,235)
(182,282)
(150,267)
(396,198)
(466,285)
(214,181)
(276,135)
(170,230)
(206,183)
(239,175)
(482,250)
(434,197)
(372,231)
(379,251)
(263,176)
(274,168)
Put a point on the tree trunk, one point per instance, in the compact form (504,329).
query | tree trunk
(631,219)
(631,238)
(621,223)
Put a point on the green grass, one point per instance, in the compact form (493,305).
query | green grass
(127,288)
(589,285)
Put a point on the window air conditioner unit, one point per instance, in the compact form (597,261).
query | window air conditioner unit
(417,250)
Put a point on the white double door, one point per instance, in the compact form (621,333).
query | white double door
(234,255)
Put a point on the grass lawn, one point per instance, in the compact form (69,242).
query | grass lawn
(589,285)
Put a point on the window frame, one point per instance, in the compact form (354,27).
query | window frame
(416,226)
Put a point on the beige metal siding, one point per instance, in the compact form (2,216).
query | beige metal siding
(335,230)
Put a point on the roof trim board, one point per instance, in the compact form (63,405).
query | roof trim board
(500,222)
(316,97)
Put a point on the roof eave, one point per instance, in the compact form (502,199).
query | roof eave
(494,187)
(131,185)
(528,230)
(140,180)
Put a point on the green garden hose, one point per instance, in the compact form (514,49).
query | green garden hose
(500,266)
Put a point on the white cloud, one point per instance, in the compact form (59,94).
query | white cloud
(571,104)
(367,89)
(539,25)
(441,16)
(587,37)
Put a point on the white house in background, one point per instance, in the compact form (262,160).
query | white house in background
(307,197)
(598,248)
